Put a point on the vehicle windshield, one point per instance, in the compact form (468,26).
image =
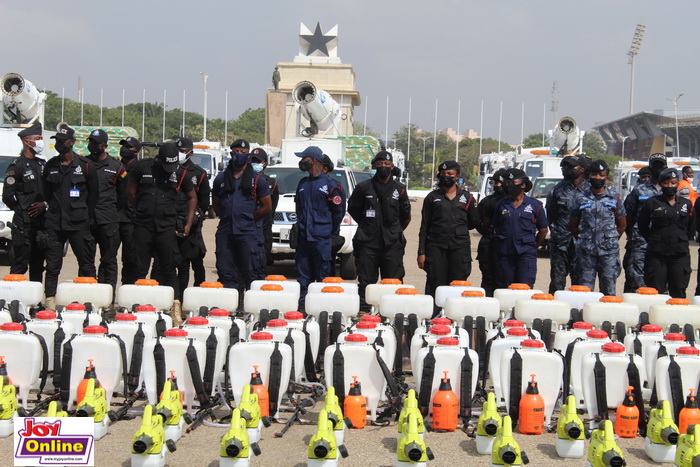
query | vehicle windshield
(288,178)
(542,186)
(204,160)
(362,176)
(5,163)
(533,169)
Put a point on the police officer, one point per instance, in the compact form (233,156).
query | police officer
(666,222)
(241,199)
(152,190)
(448,213)
(486,251)
(23,193)
(636,247)
(129,151)
(382,210)
(69,187)
(597,222)
(643,174)
(562,250)
(104,218)
(258,160)
(520,224)
(338,240)
(320,207)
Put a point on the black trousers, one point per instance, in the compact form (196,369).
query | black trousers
(28,254)
(126,234)
(488,264)
(107,238)
(148,244)
(83,245)
(444,265)
(371,262)
(670,273)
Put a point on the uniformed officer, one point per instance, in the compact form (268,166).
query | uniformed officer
(69,185)
(520,224)
(337,240)
(320,208)
(685,186)
(562,250)
(636,247)
(643,174)
(24,194)
(129,151)
(597,222)
(104,217)
(448,214)
(258,160)
(240,146)
(666,222)
(486,251)
(152,190)
(241,199)
(382,210)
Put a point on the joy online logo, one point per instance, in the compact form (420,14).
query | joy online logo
(45,441)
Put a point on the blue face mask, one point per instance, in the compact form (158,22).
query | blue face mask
(372,172)
(239,159)
(257,167)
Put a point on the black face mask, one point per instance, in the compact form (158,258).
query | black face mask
(383,172)
(126,153)
(498,189)
(669,191)
(94,148)
(513,190)
(446,181)
(597,182)
(569,172)
(305,166)
(61,147)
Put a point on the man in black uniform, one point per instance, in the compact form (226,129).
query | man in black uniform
(24,194)
(152,190)
(104,213)
(486,251)
(68,185)
(258,160)
(382,210)
(128,152)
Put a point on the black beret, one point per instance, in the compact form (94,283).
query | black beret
(382,156)
(34,130)
(449,165)
(598,166)
(668,174)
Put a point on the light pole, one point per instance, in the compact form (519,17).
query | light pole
(424,138)
(633,51)
(675,109)
(623,146)
(204,133)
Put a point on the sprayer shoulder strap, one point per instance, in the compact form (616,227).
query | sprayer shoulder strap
(228,392)
(275,382)
(390,381)
(136,358)
(125,367)
(675,378)
(465,386)
(309,365)
(636,383)
(234,332)
(480,334)
(44,360)
(398,331)
(426,383)
(412,325)
(196,375)
(601,395)
(637,345)
(516,382)
(484,362)
(339,373)
(661,352)
(568,355)
(322,337)
(14,312)
(66,367)
(160,325)
(58,337)
(336,326)
(159,359)
(689,333)
(546,334)
(210,361)
(289,340)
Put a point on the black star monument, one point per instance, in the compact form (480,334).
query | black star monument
(317,41)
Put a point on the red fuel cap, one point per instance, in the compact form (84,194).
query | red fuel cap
(46,314)
(440,330)
(125,317)
(294,315)
(198,321)
(75,307)
(674,336)
(95,330)
(176,332)
(532,343)
(513,323)
(442,321)
(261,336)
(613,347)
(597,334)
(365,325)
(582,325)
(688,351)
(145,308)
(219,312)
(448,341)
(355,338)
(12,327)
(372,318)
(651,328)
(517,332)
(276,323)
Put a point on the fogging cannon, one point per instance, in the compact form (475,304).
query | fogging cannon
(22,102)
(566,137)
(317,106)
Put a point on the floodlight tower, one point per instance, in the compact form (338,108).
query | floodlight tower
(632,52)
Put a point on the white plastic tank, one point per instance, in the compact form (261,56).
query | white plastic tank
(507,324)
(149,316)
(84,290)
(514,336)
(448,353)
(644,297)
(295,320)
(146,291)
(649,334)
(331,299)
(429,335)
(577,296)
(563,337)
(374,292)
(45,323)
(269,297)
(125,326)
(671,342)
(75,314)
(472,303)
(210,295)
(22,353)
(5,317)
(257,351)
(280,331)
(287,285)
(94,344)
(611,309)
(455,289)
(372,331)
(199,328)
(547,367)
(348,287)
(542,306)
(591,343)
(507,297)
(675,311)
(222,318)
(613,357)
(17,287)
(408,302)
(688,359)
(360,360)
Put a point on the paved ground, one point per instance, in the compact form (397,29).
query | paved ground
(370,446)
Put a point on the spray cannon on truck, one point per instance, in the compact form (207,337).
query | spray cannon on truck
(22,102)
(318,108)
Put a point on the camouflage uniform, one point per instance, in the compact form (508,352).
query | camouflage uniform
(561,245)
(486,251)
(597,246)
(636,247)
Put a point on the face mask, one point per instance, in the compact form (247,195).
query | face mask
(372,172)
(690,179)
(239,159)
(569,172)
(38,146)
(597,182)
(305,166)
(94,148)
(257,167)
(61,147)
(669,191)
(513,190)
(126,153)
(446,181)
(182,158)
(383,172)
(498,189)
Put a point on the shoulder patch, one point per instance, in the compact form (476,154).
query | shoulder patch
(10,180)
(337,200)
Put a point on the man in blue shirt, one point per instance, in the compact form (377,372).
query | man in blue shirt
(520,224)
(320,207)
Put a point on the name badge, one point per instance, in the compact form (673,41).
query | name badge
(74,193)
(370,213)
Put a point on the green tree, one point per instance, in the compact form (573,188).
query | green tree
(593,144)
(534,141)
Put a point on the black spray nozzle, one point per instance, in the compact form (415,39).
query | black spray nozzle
(532,386)
(165,413)
(413,451)
(445,383)
(696,461)
(612,459)
(573,430)
(491,427)
(234,446)
(669,435)
(85,411)
(321,448)
(142,444)
(508,454)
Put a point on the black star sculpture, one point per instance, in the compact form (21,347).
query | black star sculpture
(318,41)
